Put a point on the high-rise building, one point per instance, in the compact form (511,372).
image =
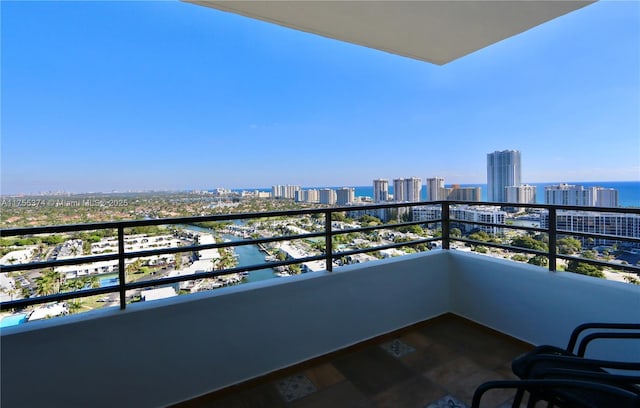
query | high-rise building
(287,191)
(327,196)
(457,193)
(485,214)
(413,186)
(380,190)
(607,197)
(503,170)
(591,222)
(520,194)
(408,189)
(345,195)
(398,190)
(569,194)
(435,189)
(308,196)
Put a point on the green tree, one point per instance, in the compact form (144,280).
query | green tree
(526,241)
(48,283)
(91,281)
(53,239)
(539,260)
(480,236)
(569,246)
(295,269)
(632,280)
(584,268)
(368,220)
(519,258)
(338,216)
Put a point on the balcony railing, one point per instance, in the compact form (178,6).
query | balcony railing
(600,227)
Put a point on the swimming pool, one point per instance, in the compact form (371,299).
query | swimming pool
(13,320)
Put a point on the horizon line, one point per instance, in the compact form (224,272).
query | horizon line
(187,190)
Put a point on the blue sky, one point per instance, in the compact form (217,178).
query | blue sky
(101,96)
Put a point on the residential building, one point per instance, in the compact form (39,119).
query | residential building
(327,196)
(287,191)
(569,194)
(520,194)
(435,189)
(380,190)
(399,193)
(591,222)
(413,187)
(308,196)
(408,189)
(503,170)
(488,214)
(345,195)
(606,197)
(458,193)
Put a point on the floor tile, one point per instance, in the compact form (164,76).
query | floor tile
(414,392)
(342,394)
(295,387)
(447,356)
(397,348)
(429,357)
(262,396)
(372,370)
(416,339)
(451,372)
(324,375)
(447,401)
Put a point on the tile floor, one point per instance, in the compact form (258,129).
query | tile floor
(438,363)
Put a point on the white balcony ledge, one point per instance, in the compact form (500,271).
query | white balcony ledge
(167,351)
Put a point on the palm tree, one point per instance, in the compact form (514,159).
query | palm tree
(49,283)
(74,284)
(44,286)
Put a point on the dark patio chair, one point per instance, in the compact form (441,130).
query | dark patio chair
(565,393)
(522,364)
(564,377)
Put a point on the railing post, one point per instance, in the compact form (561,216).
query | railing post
(445,225)
(552,238)
(328,241)
(121,268)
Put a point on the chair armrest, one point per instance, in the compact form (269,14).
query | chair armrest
(628,382)
(587,326)
(573,362)
(582,348)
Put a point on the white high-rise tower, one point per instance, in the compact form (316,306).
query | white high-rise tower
(435,189)
(380,190)
(503,170)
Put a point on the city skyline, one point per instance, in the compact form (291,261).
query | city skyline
(170,96)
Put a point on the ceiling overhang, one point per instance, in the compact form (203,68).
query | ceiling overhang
(432,31)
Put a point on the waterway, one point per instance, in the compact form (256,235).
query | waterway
(247,255)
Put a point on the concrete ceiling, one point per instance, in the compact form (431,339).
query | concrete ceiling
(432,31)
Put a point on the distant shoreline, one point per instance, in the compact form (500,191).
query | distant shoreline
(629,191)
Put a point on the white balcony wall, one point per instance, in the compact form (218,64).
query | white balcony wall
(539,306)
(167,351)
(158,353)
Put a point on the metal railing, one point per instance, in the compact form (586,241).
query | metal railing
(445,222)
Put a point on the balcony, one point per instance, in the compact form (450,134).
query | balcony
(173,350)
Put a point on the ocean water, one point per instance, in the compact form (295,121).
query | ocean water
(628,191)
